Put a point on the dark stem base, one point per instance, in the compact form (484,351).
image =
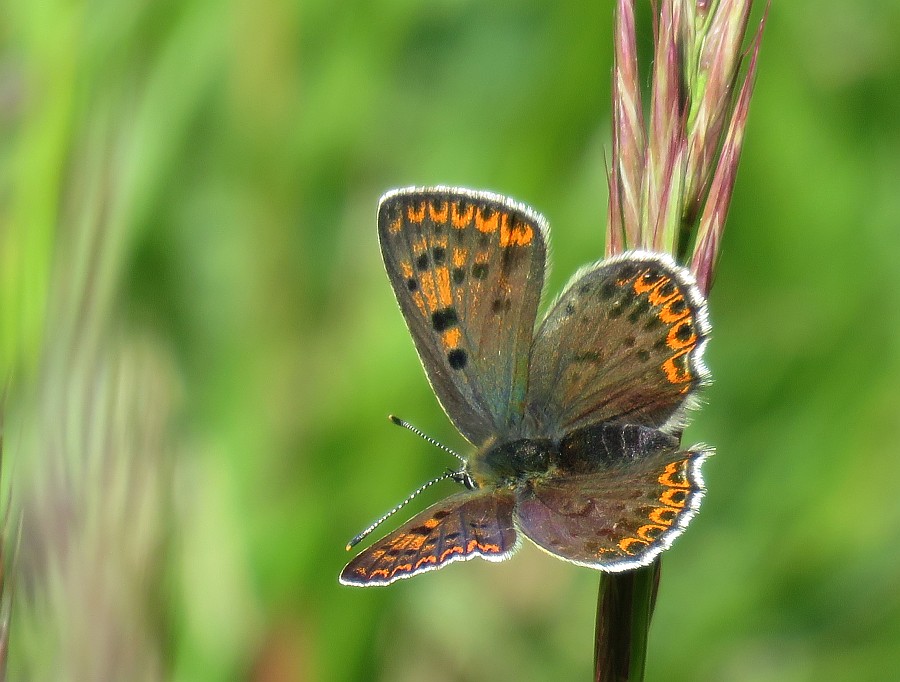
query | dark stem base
(624,608)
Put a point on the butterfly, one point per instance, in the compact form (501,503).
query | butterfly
(574,421)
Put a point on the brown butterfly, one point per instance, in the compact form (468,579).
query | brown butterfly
(572,422)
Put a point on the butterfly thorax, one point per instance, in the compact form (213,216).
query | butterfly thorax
(509,463)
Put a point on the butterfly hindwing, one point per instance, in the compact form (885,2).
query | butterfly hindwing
(463,526)
(467,269)
(623,343)
(622,514)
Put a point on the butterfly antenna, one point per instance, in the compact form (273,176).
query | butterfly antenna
(410,427)
(357,539)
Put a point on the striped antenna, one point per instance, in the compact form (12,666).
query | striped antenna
(420,434)
(357,539)
(460,476)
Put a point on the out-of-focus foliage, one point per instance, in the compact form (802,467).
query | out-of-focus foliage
(198,180)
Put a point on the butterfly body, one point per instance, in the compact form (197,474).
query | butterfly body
(572,419)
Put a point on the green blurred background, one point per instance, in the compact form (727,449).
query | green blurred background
(188,195)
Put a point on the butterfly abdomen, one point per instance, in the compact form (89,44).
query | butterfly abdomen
(594,447)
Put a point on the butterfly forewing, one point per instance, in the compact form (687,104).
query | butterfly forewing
(469,524)
(619,517)
(623,343)
(467,269)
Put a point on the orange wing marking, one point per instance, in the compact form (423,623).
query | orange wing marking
(521,233)
(668,316)
(672,340)
(487,224)
(673,476)
(657,298)
(674,373)
(642,287)
(657,515)
(649,532)
(416,212)
(462,219)
(674,497)
(439,215)
(443,286)
(626,543)
(420,302)
(428,290)
(451,338)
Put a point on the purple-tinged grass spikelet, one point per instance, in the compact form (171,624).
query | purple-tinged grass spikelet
(628,137)
(671,201)
(666,123)
(713,81)
(712,220)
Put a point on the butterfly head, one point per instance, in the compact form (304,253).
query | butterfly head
(463,477)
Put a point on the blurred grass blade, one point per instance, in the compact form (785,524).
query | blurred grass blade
(95,472)
(8,555)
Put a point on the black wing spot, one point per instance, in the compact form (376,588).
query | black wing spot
(459,275)
(678,496)
(422,261)
(608,290)
(439,254)
(667,289)
(643,355)
(443,319)
(501,305)
(458,358)
(480,270)
(651,276)
(684,332)
(641,309)
(570,309)
(653,323)
(628,271)
(628,297)
(629,341)
(677,306)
